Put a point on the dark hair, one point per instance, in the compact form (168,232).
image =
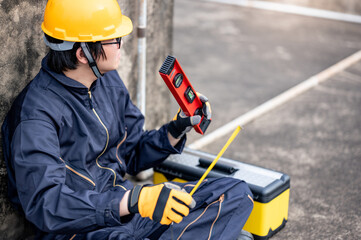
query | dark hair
(60,61)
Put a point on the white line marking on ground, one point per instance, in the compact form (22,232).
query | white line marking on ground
(287,8)
(277,101)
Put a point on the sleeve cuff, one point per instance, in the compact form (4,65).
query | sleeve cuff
(178,148)
(107,212)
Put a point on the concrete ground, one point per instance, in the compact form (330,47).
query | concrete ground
(241,57)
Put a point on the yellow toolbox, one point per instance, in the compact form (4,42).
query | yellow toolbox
(271,189)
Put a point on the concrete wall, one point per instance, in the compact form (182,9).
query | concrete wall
(344,6)
(22,49)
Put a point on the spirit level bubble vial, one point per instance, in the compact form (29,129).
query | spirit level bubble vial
(183,92)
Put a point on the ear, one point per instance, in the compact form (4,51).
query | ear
(81,56)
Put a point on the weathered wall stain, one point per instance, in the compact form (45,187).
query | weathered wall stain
(22,49)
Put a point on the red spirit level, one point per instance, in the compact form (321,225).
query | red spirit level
(183,91)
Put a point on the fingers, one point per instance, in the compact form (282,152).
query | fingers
(172,185)
(181,123)
(207,112)
(164,203)
(202,97)
(190,121)
(178,212)
(180,208)
(165,221)
(182,196)
(195,120)
(182,114)
(206,109)
(177,206)
(192,204)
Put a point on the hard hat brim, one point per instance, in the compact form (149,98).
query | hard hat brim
(125,28)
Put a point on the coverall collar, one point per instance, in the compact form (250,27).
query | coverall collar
(68,82)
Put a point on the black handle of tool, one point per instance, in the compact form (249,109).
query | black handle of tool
(204,163)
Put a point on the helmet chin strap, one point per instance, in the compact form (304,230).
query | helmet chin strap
(90,58)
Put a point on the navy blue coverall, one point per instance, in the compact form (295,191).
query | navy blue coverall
(67,149)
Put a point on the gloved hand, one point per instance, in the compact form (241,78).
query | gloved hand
(164,203)
(182,124)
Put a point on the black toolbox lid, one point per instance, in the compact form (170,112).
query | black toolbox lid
(265,184)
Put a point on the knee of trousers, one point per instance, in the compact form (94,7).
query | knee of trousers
(239,196)
(232,186)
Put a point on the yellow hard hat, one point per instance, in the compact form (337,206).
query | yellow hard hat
(85,20)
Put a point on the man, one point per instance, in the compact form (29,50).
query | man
(73,133)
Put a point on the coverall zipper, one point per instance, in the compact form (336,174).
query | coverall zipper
(220,200)
(106,144)
(119,144)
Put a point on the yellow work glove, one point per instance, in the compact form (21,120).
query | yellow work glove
(164,203)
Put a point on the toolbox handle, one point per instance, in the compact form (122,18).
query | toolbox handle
(204,163)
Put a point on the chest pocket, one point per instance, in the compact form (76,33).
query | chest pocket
(77,179)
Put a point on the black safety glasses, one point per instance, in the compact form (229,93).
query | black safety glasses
(117,41)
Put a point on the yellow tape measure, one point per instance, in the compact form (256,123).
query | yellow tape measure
(230,140)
